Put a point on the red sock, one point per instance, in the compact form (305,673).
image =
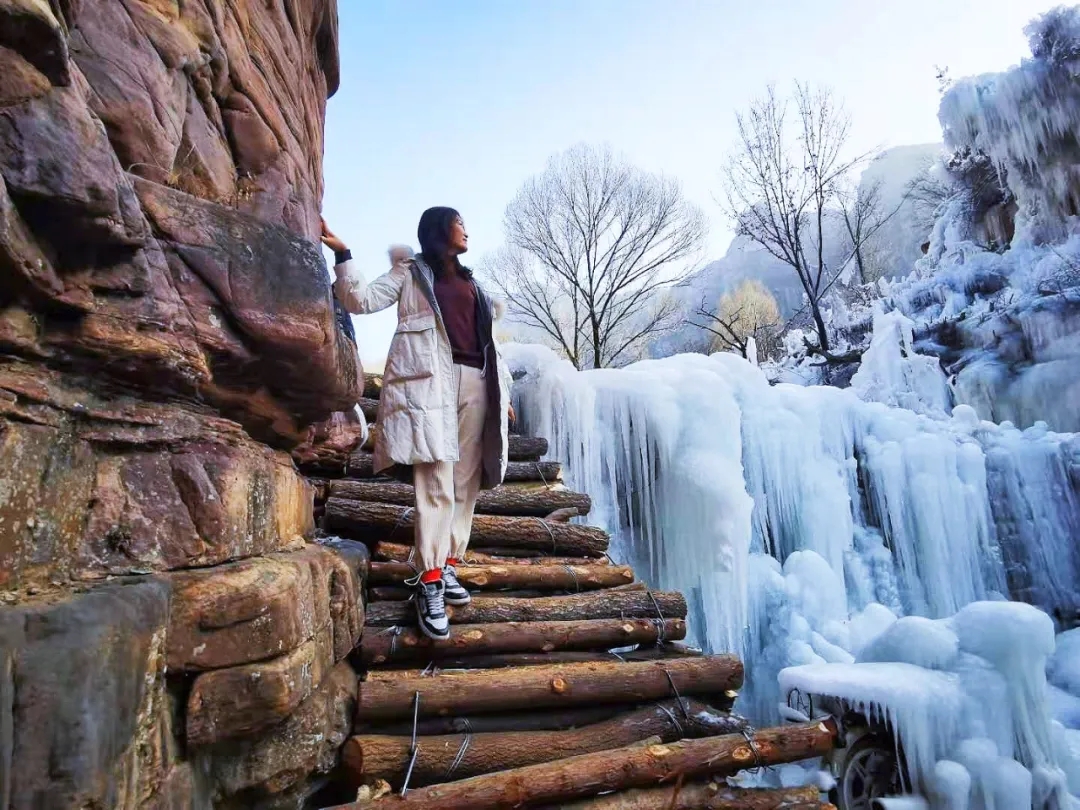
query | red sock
(452,561)
(434,575)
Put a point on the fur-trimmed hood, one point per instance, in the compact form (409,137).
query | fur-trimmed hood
(398,253)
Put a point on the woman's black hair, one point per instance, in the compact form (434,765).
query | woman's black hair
(433,233)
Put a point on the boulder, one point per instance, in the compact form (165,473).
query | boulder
(222,101)
(264,607)
(33,28)
(260,300)
(159,203)
(180,789)
(59,166)
(247,700)
(347,589)
(84,721)
(329,444)
(306,743)
(99,486)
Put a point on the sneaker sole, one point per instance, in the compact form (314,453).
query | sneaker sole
(431,633)
(458,602)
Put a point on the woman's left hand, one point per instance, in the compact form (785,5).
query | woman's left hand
(510,414)
(330,240)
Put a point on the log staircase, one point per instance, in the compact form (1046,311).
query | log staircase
(564,683)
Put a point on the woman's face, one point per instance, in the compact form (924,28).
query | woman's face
(459,239)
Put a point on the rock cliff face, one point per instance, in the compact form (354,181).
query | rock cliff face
(169,637)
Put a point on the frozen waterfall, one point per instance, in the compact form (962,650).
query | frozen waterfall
(802,522)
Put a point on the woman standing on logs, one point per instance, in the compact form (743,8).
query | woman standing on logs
(445,404)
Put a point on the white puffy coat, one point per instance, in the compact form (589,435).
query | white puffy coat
(418,405)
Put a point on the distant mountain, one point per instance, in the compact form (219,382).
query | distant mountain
(897,246)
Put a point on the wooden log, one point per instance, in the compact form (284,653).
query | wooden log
(389,593)
(620,768)
(510,553)
(380,756)
(361,463)
(396,670)
(370,408)
(388,522)
(546,720)
(593,605)
(545,471)
(531,499)
(527,448)
(521,448)
(702,796)
(540,687)
(563,515)
(386,551)
(530,659)
(411,645)
(500,577)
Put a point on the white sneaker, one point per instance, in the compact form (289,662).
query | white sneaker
(455,591)
(431,615)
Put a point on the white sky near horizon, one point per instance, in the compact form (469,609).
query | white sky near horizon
(459,103)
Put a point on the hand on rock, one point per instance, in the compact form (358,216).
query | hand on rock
(510,414)
(330,240)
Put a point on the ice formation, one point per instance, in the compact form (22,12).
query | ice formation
(1025,120)
(864,544)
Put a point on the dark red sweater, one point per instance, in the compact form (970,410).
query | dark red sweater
(457,302)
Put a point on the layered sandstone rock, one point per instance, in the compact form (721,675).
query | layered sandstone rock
(162,173)
(170,635)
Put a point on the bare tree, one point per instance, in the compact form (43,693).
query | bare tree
(928,196)
(864,214)
(592,244)
(749,311)
(783,183)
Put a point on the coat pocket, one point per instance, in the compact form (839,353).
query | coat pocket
(412,354)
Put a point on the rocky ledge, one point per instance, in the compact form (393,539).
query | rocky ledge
(171,636)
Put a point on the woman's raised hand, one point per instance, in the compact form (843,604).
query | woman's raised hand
(330,240)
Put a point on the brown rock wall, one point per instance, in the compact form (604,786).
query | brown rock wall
(161,169)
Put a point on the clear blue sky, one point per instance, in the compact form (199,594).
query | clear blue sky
(458,103)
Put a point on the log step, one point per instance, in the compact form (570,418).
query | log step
(362,466)
(500,577)
(587,775)
(378,522)
(593,605)
(459,756)
(702,796)
(378,645)
(546,720)
(406,668)
(521,448)
(399,552)
(536,688)
(392,593)
(528,499)
(527,448)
